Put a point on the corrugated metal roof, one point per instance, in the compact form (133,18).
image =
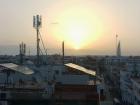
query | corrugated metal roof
(18,68)
(80,68)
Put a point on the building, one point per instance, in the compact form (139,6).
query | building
(136,90)
(126,86)
(78,85)
(129,84)
(18,83)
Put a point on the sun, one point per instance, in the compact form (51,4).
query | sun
(76,34)
(78,28)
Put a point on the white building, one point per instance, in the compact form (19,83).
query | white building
(128,84)
(136,90)
(126,87)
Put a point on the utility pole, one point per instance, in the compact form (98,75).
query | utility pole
(63,51)
(116,44)
(37,22)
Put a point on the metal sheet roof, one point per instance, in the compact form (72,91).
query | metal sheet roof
(80,68)
(18,68)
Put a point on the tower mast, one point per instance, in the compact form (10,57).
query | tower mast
(37,24)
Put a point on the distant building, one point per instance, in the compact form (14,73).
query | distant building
(126,85)
(130,84)
(136,90)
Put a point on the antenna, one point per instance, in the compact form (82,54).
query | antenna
(22,51)
(37,23)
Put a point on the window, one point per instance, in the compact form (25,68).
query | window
(56,72)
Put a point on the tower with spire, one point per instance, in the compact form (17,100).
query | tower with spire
(119,49)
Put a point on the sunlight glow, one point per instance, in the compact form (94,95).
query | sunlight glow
(78,27)
(76,34)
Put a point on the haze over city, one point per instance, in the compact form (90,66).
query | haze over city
(87,26)
(69,52)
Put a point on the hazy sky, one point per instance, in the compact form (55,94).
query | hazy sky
(99,20)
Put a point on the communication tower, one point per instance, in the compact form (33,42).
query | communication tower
(37,23)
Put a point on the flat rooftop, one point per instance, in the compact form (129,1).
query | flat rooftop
(17,68)
(82,69)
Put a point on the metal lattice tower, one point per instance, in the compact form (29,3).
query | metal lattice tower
(37,22)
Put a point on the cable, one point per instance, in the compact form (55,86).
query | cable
(43,43)
(40,50)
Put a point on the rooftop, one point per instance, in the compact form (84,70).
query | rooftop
(80,68)
(17,68)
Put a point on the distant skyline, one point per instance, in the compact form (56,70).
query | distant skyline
(89,26)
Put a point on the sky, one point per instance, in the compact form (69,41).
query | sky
(86,26)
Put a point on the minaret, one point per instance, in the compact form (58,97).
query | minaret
(119,49)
